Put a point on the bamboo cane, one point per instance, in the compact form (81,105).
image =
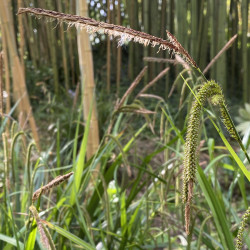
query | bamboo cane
(119,53)
(19,85)
(108,49)
(88,84)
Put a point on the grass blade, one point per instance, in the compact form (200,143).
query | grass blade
(11,241)
(69,236)
(79,166)
(232,152)
(32,236)
(217,211)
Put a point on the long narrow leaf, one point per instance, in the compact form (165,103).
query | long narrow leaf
(11,241)
(232,152)
(69,236)
(78,169)
(32,236)
(217,211)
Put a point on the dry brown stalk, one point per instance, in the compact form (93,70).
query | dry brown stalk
(125,34)
(188,206)
(183,63)
(132,86)
(151,96)
(226,47)
(159,60)
(136,110)
(182,51)
(59,179)
(119,104)
(158,77)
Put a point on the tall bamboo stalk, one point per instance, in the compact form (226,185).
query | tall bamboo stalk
(53,53)
(233,29)
(221,75)
(19,85)
(181,23)
(244,15)
(171,27)
(131,10)
(113,20)
(1,86)
(146,29)
(64,53)
(108,49)
(119,52)
(163,27)
(214,33)
(71,39)
(6,70)
(194,28)
(21,33)
(31,40)
(87,79)
(153,30)
(203,34)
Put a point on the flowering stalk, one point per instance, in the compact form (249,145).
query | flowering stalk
(45,236)
(58,180)
(210,90)
(125,34)
(243,225)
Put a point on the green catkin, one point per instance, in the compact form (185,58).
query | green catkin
(219,100)
(210,90)
(243,224)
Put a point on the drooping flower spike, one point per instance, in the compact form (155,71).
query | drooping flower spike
(124,34)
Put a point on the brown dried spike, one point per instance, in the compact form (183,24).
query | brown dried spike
(181,50)
(59,179)
(45,236)
(94,26)
(188,206)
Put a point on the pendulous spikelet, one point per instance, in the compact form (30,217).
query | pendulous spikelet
(243,224)
(59,179)
(45,236)
(213,92)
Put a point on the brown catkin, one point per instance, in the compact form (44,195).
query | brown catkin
(58,180)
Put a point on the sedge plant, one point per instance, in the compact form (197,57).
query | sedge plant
(210,91)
